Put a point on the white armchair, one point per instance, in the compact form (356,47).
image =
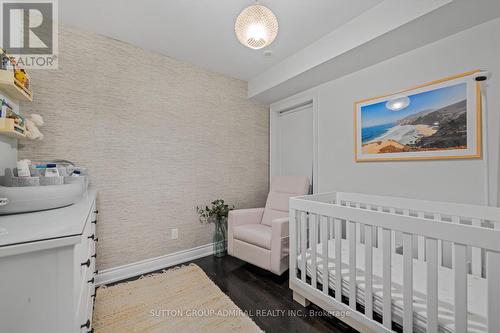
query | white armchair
(260,235)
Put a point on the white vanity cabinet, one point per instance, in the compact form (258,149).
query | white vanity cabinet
(47,269)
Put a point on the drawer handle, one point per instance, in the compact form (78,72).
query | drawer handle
(96,211)
(94,222)
(87,263)
(91,331)
(87,324)
(96,239)
(91,280)
(91,237)
(94,256)
(96,271)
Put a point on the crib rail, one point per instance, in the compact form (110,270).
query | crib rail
(378,223)
(480,216)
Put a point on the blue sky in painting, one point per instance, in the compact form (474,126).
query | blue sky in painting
(378,114)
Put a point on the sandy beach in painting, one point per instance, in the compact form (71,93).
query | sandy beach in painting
(397,138)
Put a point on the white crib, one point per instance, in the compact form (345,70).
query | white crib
(418,266)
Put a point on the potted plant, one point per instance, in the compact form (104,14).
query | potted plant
(216,214)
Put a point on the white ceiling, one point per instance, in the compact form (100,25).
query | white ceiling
(201,32)
(389,29)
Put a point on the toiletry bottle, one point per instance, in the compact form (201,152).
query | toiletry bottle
(76,173)
(51,170)
(23,168)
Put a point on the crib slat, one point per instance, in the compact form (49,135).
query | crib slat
(314,246)
(476,266)
(440,243)
(368,272)
(324,221)
(358,226)
(387,276)
(377,233)
(347,229)
(298,217)
(330,227)
(460,271)
(368,207)
(338,259)
(311,234)
(407,283)
(406,212)
(303,246)
(421,241)
(432,285)
(292,218)
(352,264)
(359,233)
(493,291)
(393,233)
(454,219)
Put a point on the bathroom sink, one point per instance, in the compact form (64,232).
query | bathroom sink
(30,199)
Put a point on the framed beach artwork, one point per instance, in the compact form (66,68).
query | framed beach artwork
(437,120)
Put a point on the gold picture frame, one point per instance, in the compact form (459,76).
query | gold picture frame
(401,138)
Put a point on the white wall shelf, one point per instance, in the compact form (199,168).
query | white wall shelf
(9,128)
(13,88)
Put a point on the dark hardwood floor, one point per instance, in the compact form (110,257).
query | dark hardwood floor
(258,291)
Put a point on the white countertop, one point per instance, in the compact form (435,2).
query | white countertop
(54,226)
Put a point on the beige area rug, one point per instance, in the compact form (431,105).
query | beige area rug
(178,300)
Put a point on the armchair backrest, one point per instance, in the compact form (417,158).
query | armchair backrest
(282,189)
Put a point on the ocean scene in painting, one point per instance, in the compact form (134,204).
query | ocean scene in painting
(432,120)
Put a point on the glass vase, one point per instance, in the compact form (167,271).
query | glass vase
(220,238)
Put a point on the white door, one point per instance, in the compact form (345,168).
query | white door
(296,142)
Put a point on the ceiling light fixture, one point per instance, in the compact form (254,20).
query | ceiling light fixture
(256,27)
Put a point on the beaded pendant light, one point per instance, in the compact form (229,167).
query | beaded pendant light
(256,27)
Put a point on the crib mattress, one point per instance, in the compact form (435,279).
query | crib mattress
(477,288)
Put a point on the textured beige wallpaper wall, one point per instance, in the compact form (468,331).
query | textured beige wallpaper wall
(159,137)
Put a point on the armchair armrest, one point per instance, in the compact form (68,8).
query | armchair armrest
(280,227)
(279,243)
(238,217)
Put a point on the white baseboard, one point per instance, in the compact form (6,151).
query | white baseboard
(153,264)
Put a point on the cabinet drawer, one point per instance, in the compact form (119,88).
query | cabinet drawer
(93,219)
(90,305)
(84,285)
(83,247)
(85,313)
(86,299)
(83,306)
(86,261)
(86,249)
(85,272)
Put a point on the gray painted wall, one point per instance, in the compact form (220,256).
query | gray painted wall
(448,180)
(8,153)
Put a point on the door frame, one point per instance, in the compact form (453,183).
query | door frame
(274,132)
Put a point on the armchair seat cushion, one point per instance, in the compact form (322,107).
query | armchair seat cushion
(255,234)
